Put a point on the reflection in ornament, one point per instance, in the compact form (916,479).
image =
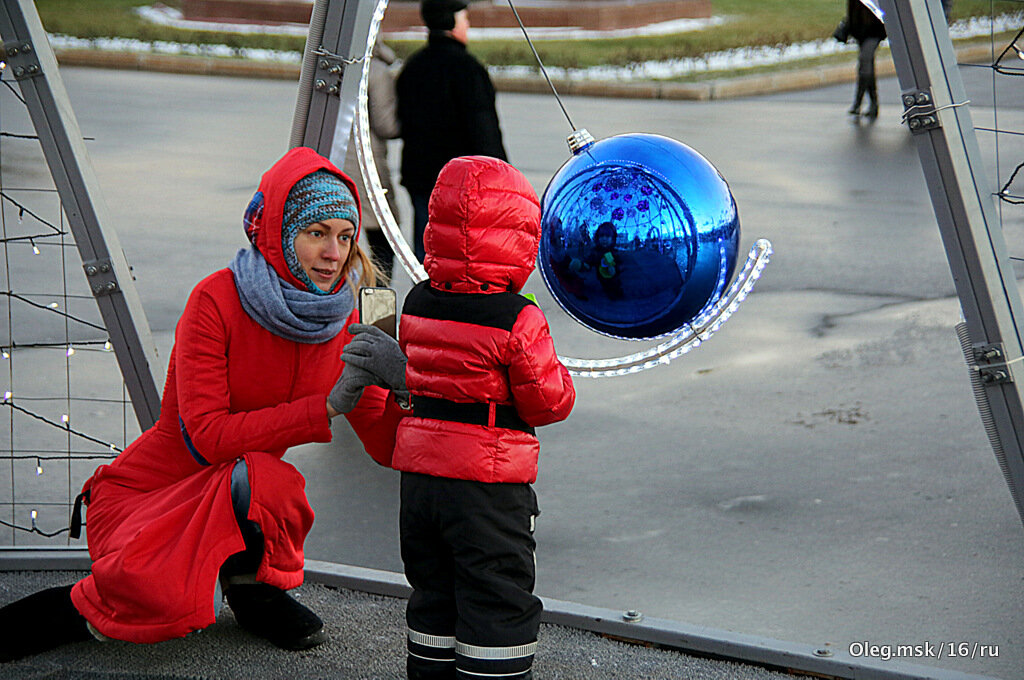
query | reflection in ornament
(642,268)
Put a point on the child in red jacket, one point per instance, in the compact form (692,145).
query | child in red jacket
(483,373)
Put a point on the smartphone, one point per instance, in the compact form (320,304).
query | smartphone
(377,308)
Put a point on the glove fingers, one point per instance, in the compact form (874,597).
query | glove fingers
(363,363)
(358,350)
(362,328)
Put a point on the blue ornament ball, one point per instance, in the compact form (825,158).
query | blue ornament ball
(640,235)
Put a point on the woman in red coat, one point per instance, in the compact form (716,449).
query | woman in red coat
(203,500)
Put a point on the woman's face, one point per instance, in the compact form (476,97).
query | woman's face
(322,249)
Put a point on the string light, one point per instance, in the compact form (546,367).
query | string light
(691,336)
(34,235)
(65,423)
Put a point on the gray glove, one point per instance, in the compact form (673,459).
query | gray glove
(375,351)
(346,392)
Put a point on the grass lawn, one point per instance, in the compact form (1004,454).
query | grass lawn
(751,23)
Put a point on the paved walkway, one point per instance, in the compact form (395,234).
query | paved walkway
(816,473)
(785,78)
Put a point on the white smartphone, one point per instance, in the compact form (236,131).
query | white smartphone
(377,307)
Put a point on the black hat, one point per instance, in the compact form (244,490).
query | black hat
(439,15)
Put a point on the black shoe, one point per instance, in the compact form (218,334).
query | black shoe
(39,623)
(858,97)
(271,613)
(872,91)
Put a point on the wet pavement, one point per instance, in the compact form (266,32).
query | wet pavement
(816,473)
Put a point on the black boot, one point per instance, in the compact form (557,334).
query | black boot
(425,669)
(39,623)
(872,91)
(271,613)
(858,98)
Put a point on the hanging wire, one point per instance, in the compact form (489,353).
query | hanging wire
(61,426)
(10,86)
(34,529)
(48,308)
(540,63)
(22,210)
(73,447)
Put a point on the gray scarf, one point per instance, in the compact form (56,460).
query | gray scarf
(283,309)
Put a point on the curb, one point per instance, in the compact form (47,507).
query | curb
(719,88)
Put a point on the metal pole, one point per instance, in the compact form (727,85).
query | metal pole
(936,112)
(329,84)
(31,60)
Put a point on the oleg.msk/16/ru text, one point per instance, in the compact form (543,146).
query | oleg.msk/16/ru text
(933,650)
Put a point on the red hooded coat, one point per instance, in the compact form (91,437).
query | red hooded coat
(161,524)
(471,339)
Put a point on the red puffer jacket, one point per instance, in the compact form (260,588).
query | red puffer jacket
(482,365)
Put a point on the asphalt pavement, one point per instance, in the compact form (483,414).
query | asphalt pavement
(816,473)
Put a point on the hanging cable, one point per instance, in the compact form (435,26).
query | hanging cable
(543,70)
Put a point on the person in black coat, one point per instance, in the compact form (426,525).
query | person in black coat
(868,30)
(445,107)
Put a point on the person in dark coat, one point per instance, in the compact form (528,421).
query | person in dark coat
(445,107)
(868,30)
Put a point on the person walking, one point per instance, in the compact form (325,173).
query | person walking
(203,501)
(446,107)
(868,30)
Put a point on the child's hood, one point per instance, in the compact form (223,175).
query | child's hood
(265,213)
(484,227)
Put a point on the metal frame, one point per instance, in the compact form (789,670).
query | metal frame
(30,58)
(329,80)
(935,101)
(820,661)
(324,111)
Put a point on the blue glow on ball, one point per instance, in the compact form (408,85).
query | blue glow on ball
(640,234)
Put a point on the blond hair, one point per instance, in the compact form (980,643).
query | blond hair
(368,272)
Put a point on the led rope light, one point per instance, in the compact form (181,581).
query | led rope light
(687,338)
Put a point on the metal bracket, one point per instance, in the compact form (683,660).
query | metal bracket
(101,277)
(919,111)
(993,367)
(22,59)
(329,68)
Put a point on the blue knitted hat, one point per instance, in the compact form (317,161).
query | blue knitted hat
(316,197)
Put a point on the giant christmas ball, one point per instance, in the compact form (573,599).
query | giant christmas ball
(640,235)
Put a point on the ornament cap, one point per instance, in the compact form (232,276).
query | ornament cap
(579,140)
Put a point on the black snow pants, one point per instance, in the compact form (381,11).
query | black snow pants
(468,550)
